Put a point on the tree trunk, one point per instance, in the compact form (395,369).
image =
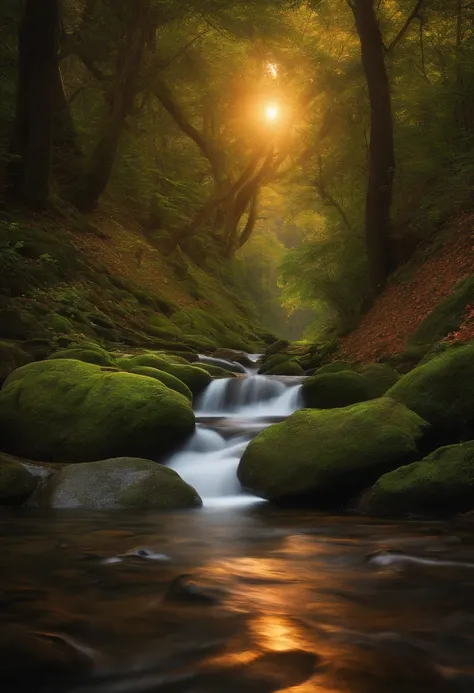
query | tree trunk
(120,101)
(381,150)
(28,174)
(67,153)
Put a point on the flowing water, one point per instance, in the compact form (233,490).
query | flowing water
(237,597)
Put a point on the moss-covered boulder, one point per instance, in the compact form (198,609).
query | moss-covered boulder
(94,356)
(291,367)
(11,358)
(273,361)
(281,345)
(70,411)
(16,482)
(441,484)
(335,367)
(120,483)
(327,457)
(233,355)
(380,377)
(165,378)
(442,392)
(195,378)
(216,371)
(333,390)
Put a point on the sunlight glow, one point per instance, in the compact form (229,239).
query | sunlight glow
(272,69)
(271,111)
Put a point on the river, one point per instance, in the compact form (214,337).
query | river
(236,597)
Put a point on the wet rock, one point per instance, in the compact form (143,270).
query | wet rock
(233,355)
(69,411)
(16,482)
(117,483)
(326,457)
(184,589)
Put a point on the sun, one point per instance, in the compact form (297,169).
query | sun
(271,111)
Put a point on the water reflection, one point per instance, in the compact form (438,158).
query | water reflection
(266,601)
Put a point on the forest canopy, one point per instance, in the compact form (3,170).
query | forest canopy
(312,145)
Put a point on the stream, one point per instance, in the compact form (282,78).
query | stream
(238,596)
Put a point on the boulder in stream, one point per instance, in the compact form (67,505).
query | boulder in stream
(441,484)
(120,483)
(326,457)
(16,482)
(332,390)
(70,411)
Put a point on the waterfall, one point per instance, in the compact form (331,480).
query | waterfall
(230,412)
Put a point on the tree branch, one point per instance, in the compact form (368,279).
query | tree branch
(401,34)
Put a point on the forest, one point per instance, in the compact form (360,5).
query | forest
(315,143)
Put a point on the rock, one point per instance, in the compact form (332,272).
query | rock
(335,367)
(273,361)
(165,378)
(233,355)
(184,589)
(277,347)
(11,358)
(380,377)
(332,390)
(195,378)
(99,358)
(291,367)
(442,392)
(217,371)
(38,347)
(119,483)
(328,457)
(441,484)
(16,482)
(70,411)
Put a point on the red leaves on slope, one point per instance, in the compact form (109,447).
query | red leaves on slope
(403,305)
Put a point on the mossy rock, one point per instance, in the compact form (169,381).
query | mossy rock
(11,358)
(192,376)
(380,377)
(442,392)
(16,482)
(273,361)
(85,355)
(69,411)
(446,317)
(335,367)
(281,345)
(333,390)
(327,457)
(233,355)
(58,323)
(165,378)
(216,371)
(291,367)
(117,484)
(441,484)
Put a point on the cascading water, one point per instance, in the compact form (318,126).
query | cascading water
(230,413)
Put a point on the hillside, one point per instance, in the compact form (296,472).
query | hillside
(428,300)
(67,278)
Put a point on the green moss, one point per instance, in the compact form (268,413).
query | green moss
(165,378)
(16,482)
(441,484)
(70,411)
(58,323)
(11,357)
(216,371)
(332,390)
(442,392)
(273,361)
(327,457)
(291,367)
(281,345)
(335,367)
(380,377)
(85,355)
(195,378)
(120,483)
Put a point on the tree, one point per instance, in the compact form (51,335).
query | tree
(28,174)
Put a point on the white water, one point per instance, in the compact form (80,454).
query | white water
(231,412)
